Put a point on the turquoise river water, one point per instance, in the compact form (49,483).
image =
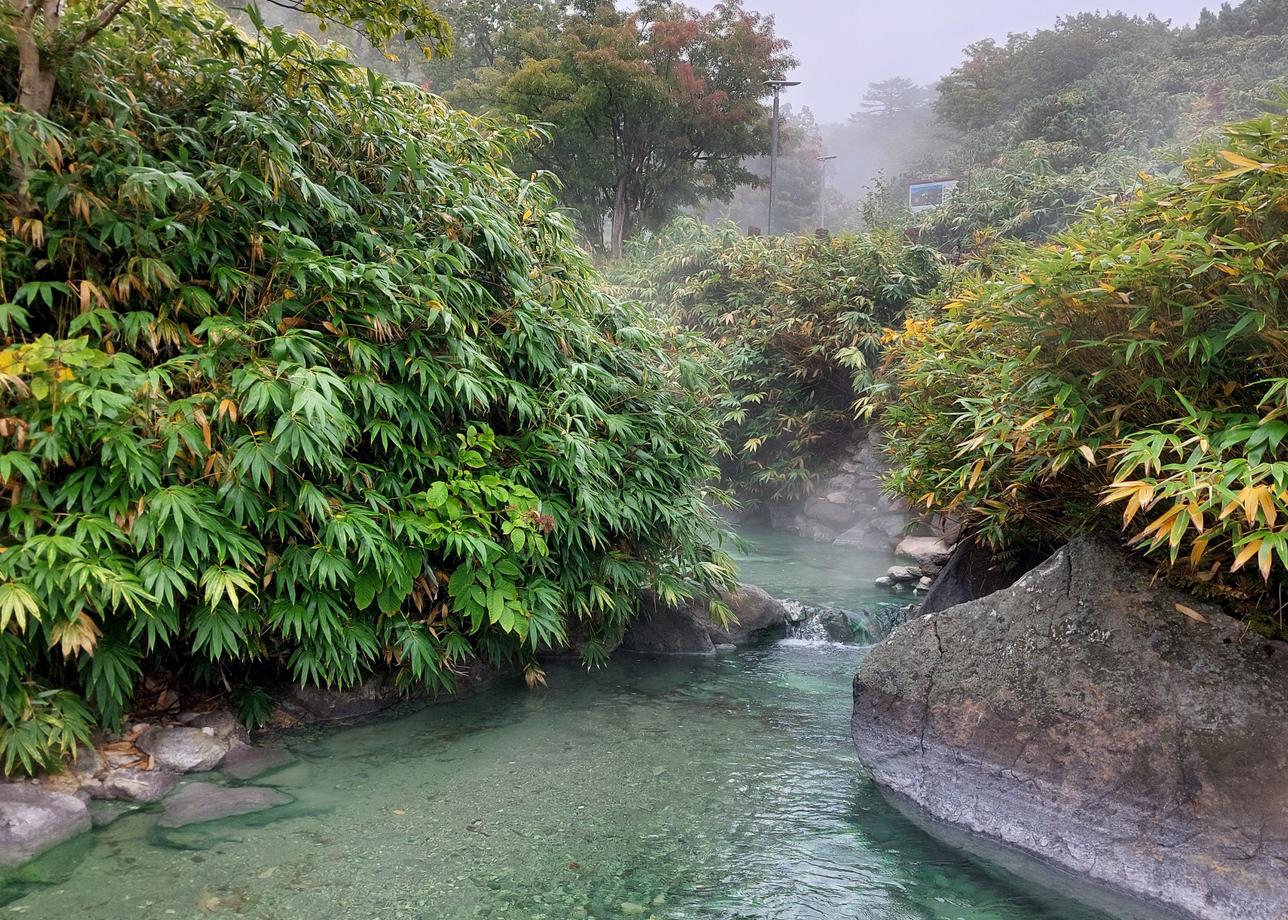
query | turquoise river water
(667,789)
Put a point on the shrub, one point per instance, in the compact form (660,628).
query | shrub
(1135,366)
(299,378)
(793,326)
(1029,193)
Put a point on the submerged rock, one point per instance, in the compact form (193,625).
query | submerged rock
(689,629)
(183,749)
(199,802)
(33,820)
(247,761)
(1116,729)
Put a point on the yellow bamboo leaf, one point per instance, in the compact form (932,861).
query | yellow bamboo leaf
(1198,549)
(1088,453)
(1248,550)
(975,472)
(1191,613)
(74,637)
(1237,159)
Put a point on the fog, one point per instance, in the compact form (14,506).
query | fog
(844,45)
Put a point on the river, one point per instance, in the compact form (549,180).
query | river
(670,789)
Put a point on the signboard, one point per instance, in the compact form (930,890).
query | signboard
(925,195)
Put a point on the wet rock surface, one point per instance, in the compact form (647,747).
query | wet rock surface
(1112,728)
(198,802)
(33,820)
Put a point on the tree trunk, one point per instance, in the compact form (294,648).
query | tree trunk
(619,220)
(36,77)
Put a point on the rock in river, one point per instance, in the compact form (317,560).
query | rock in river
(32,820)
(1111,727)
(689,629)
(207,802)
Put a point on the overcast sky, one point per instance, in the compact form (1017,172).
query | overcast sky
(843,45)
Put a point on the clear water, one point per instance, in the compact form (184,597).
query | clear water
(724,788)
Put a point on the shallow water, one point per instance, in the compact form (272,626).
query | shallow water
(723,788)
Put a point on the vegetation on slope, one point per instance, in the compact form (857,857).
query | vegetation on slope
(299,379)
(793,327)
(1131,374)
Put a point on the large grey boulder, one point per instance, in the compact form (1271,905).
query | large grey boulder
(1107,726)
(666,629)
(198,802)
(182,749)
(755,612)
(974,569)
(33,820)
(690,629)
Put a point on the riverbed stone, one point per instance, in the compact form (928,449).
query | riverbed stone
(182,748)
(33,820)
(246,761)
(198,802)
(904,573)
(1099,722)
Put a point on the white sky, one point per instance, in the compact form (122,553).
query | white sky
(843,45)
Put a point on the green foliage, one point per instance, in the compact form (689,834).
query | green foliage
(649,111)
(793,327)
(1137,364)
(1030,193)
(299,378)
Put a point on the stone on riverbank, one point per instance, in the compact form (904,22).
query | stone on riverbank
(1118,730)
(33,820)
(130,784)
(183,749)
(927,552)
(689,629)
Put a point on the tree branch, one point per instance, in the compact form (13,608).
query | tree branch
(100,22)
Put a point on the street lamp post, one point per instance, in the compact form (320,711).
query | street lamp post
(822,190)
(777,86)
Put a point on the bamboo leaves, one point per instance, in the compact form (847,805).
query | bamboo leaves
(305,383)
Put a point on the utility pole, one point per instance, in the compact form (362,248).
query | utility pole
(777,86)
(822,190)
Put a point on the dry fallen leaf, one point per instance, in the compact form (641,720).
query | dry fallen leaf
(399,812)
(1191,613)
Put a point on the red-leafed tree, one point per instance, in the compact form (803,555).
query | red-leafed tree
(648,111)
